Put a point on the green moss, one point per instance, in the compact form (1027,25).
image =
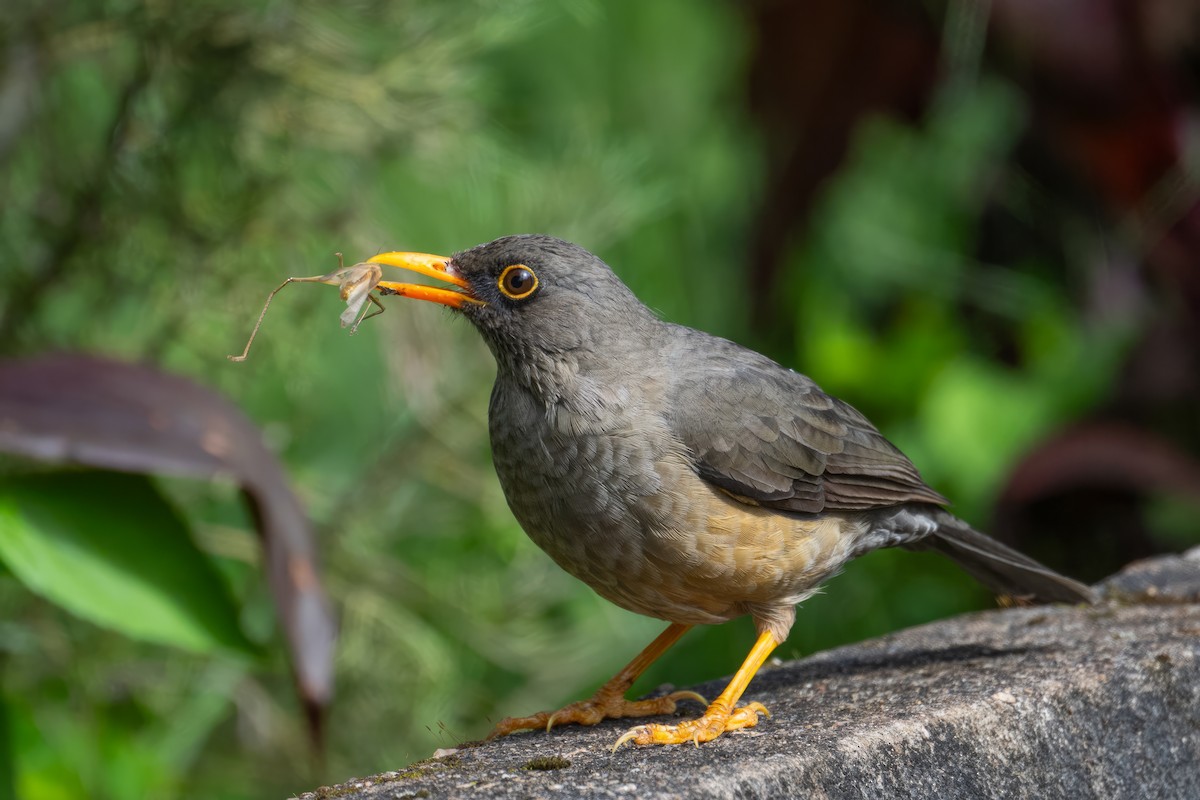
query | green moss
(427,767)
(547,763)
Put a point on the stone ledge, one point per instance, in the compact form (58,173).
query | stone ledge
(1047,702)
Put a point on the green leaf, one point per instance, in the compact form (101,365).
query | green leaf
(108,548)
(8,781)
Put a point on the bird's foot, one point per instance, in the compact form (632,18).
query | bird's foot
(716,720)
(603,705)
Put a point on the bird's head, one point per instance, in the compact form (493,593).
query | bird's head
(539,302)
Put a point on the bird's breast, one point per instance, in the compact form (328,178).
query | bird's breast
(615,500)
(577,481)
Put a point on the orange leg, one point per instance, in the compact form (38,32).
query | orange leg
(723,715)
(609,700)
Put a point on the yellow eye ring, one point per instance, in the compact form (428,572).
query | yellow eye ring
(517,282)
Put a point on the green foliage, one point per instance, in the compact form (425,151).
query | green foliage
(881,287)
(8,776)
(108,729)
(118,555)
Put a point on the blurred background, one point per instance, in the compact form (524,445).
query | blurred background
(978,222)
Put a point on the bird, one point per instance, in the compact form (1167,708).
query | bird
(680,475)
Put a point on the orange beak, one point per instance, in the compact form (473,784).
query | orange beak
(430,266)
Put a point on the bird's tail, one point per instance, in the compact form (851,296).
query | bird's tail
(998,567)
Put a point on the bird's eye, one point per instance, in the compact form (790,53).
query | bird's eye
(517,281)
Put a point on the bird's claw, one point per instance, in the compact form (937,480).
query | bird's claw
(715,722)
(686,694)
(600,707)
(628,735)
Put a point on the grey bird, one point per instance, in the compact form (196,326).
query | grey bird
(680,475)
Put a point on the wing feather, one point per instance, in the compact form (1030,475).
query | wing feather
(769,434)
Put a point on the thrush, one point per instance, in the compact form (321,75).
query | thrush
(680,475)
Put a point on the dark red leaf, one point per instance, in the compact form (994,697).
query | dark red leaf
(75,409)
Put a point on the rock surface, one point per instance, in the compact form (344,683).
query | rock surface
(1047,702)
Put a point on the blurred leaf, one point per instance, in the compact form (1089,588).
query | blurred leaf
(99,412)
(1107,454)
(8,780)
(108,548)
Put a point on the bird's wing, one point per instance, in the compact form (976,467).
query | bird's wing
(770,435)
